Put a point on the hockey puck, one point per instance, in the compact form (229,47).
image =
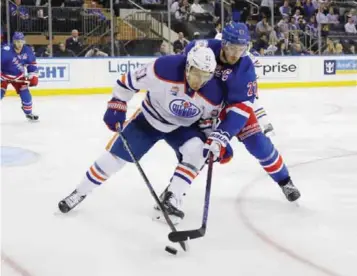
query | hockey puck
(171,250)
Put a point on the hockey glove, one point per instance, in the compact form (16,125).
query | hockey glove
(115,115)
(216,143)
(33,80)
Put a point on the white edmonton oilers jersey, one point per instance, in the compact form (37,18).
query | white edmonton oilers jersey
(168,105)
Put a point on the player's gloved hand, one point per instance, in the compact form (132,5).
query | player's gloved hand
(115,115)
(33,80)
(216,143)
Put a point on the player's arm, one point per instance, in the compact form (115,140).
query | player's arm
(32,68)
(134,81)
(238,108)
(235,115)
(126,86)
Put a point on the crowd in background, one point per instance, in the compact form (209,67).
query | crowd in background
(297,28)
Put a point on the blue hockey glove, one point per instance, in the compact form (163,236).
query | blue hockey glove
(216,143)
(115,115)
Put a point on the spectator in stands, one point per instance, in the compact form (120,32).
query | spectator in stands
(284,24)
(94,11)
(217,30)
(297,15)
(302,23)
(182,13)
(19,12)
(265,8)
(175,6)
(262,44)
(119,47)
(352,50)
(282,50)
(332,18)
(263,27)
(298,7)
(241,7)
(63,52)
(339,49)
(180,43)
(95,52)
(330,50)
(353,15)
(321,18)
(285,10)
(311,27)
(293,25)
(309,9)
(163,50)
(296,50)
(297,47)
(196,9)
(275,36)
(46,52)
(349,26)
(73,43)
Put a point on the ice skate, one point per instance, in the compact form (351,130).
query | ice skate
(290,191)
(32,117)
(269,130)
(172,205)
(71,201)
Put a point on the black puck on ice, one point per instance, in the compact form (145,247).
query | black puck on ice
(171,250)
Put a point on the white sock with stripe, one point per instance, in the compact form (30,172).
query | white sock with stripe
(100,171)
(182,179)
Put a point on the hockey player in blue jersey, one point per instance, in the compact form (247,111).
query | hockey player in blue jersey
(235,70)
(181,92)
(18,68)
(259,110)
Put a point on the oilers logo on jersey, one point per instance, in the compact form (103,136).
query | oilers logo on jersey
(182,108)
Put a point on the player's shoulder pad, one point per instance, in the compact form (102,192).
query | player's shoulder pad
(243,70)
(170,68)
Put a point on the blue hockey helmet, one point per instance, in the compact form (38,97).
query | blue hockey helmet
(18,36)
(236,33)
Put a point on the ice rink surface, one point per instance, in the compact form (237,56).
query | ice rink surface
(252,229)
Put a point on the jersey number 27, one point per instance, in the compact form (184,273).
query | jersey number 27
(252,89)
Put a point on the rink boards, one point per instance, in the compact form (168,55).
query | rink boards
(66,76)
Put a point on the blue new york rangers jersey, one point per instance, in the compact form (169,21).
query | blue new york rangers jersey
(14,65)
(170,102)
(238,81)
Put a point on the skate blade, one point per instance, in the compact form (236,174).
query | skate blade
(159,217)
(33,121)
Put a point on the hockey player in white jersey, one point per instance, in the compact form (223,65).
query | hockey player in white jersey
(181,91)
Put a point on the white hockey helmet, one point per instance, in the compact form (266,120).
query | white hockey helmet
(200,66)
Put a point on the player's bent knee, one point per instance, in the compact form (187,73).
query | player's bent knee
(259,145)
(193,145)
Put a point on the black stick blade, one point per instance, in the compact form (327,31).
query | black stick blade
(180,236)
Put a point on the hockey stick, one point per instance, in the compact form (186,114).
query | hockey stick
(150,187)
(180,236)
(16,80)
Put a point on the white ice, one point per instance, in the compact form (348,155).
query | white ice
(252,229)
